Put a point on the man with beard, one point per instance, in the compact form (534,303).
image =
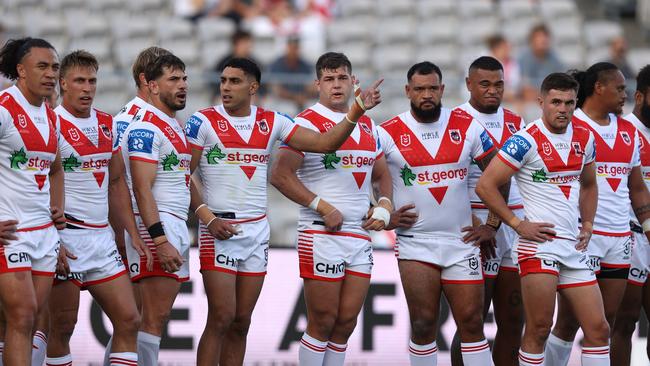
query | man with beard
(486,86)
(637,293)
(600,100)
(157,156)
(429,150)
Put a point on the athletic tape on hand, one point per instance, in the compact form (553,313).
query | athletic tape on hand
(380,213)
(646,225)
(357,96)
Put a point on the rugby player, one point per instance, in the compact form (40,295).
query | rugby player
(552,160)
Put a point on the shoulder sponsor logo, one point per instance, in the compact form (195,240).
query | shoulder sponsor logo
(454,134)
(405,140)
(516,147)
(192,126)
(486,141)
(140,140)
(22,121)
(626,137)
(263,126)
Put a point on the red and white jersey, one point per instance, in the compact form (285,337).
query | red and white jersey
(617,152)
(643,133)
(500,126)
(429,164)
(548,167)
(236,153)
(125,116)
(28,146)
(342,178)
(159,139)
(86,148)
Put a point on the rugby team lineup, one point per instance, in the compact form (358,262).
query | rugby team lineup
(526,218)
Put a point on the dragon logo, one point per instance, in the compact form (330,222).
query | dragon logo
(170,161)
(214,154)
(539,176)
(407,175)
(70,163)
(329,160)
(18,157)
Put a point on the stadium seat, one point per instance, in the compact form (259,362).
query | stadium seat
(566,31)
(126,50)
(212,52)
(473,9)
(212,28)
(427,9)
(396,56)
(557,9)
(349,29)
(186,50)
(357,52)
(476,31)
(443,30)
(572,55)
(443,55)
(82,24)
(515,9)
(638,58)
(131,28)
(601,32)
(111,102)
(64,5)
(98,46)
(356,8)
(395,8)
(174,29)
(597,55)
(398,29)
(44,24)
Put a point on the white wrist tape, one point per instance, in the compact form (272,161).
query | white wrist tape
(646,225)
(357,96)
(380,213)
(314,203)
(384,198)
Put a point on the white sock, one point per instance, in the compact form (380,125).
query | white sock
(2,349)
(311,352)
(476,353)
(39,348)
(530,359)
(148,348)
(107,352)
(595,356)
(334,354)
(123,358)
(558,351)
(59,361)
(423,355)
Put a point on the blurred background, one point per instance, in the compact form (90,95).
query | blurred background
(382,39)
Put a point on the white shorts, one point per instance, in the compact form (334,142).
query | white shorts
(505,238)
(640,264)
(558,257)
(34,250)
(179,237)
(609,252)
(330,256)
(245,254)
(458,262)
(98,259)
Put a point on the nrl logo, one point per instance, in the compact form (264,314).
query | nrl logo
(170,131)
(625,137)
(328,125)
(547,148)
(263,126)
(405,139)
(577,149)
(74,134)
(455,136)
(4,99)
(511,127)
(22,121)
(222,125)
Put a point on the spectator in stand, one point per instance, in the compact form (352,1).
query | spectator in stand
(290,76)
(618,56)
(537,61)
(501,49)
(242,46)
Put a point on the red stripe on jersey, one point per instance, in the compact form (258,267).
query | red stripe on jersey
(551,157)
(512,123)
(81,143)
(29,133)
(133,110)
(229,136)
(645,149)
(366,139)
(624,143)
(414,151)
(180,143)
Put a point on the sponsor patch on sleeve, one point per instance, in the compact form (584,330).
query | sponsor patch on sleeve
(192,126)
(141,140)
(486,141)
(516,147)
(120,127)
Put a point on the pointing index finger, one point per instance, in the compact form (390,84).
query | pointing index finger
(376,84)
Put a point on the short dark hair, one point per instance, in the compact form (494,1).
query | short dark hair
(486,63)
(79,58)
(13,52)
(588,78)
(332,61)
(144,60)
(248,66)
(156,69)
(494,40)
(423,68)
(643,79)
(539,28)
(559,81)
(240,35)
